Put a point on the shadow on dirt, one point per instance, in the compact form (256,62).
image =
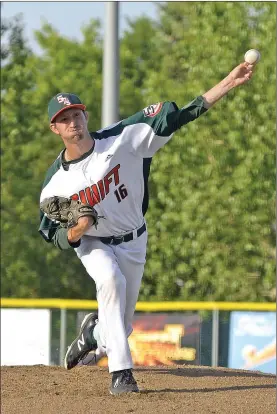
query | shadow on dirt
(203,390)
(206,372)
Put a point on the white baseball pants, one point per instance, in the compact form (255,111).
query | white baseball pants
(117,272)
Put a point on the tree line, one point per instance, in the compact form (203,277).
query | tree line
(212,187)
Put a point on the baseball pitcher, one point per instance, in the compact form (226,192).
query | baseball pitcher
(94,199)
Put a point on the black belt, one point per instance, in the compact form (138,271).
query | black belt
(115,240)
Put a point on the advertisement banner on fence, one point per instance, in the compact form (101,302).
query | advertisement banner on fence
(162,339)
(252,342)
(25,336)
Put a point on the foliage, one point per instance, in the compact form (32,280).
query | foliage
(217,212)
(212,186)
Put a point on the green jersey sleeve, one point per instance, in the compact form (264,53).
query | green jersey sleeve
(50,230)
(151,128)
(53,232)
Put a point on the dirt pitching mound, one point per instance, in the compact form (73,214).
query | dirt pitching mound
(53,390)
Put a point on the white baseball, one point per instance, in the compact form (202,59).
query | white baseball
(252,56)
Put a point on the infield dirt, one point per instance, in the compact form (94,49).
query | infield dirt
(183,389)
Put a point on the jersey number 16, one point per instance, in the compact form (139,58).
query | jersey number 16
(121,193)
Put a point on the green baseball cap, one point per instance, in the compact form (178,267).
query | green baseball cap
(61,102)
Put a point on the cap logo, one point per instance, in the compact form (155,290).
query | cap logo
(63,99)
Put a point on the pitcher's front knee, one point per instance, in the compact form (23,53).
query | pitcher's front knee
(114,286)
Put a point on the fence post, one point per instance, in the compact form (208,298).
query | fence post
(62,335)
(215,337)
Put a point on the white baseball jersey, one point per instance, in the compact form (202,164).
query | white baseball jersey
(113,175)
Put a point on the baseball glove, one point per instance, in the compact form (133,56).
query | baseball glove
(67,211)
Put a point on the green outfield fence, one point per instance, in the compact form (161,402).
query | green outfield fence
(215,307)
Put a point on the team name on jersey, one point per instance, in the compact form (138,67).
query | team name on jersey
(97,192)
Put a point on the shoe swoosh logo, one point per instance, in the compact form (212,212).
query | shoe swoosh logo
(117,382)
(81,342)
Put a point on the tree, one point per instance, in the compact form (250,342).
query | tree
(16,83)
(30,267)
(138,57)
(213,185)
(211,212)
